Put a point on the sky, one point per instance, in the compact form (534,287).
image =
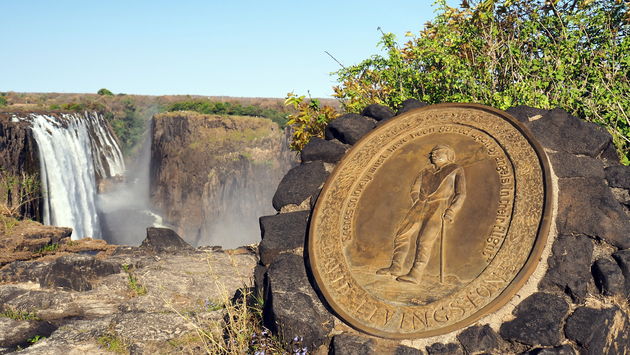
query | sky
(214,48)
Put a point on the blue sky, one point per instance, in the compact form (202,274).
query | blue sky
(237,48)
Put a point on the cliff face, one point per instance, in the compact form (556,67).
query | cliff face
(213,176)
(19,157)
(51,165)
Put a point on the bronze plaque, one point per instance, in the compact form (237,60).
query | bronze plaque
(431,221)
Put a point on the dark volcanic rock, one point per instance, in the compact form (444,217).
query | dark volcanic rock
(260,274)
(609,156)
(538,320)
(479,338)
(608,277)
(321,149)
(378,112)
(15,333)
(282,233)
(74,272)
(444,349)
(569,266)
(587,206)
(558,350)
(526,114)
(405,350)
(293,308)
(47,305)
(164,240)
(299,183)
(408,105)
(623,260)
(348,344)
(618,176)
(562,132)
(349,128)
(23,271)
(567,165)
(599,331)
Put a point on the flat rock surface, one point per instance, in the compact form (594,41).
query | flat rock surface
(146,302)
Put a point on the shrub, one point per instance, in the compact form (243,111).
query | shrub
(105,92)
(572,54)
(128,125)
(17,193)
(3,101)
(310,120)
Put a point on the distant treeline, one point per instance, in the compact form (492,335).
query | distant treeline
(129,114)
(228,108)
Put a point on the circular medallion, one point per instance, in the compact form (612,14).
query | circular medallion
(431,221)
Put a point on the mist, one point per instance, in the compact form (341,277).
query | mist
(125,206)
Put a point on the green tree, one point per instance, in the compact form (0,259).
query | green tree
(105,92)
(128,126)
(572,54)
(3,101)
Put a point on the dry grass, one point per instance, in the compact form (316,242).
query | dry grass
(235,328)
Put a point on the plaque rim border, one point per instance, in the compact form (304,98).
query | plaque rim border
(515,285)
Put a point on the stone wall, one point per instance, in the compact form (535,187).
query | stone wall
(575,302)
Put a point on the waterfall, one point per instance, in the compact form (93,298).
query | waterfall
(74,151)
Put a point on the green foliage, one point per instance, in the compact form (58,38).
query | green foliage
(82,106)
(309,121)
(48,248)
(105,92)
(113,344)
(18,314)
(128,126)
(3,101)
(8,223)
(572,54)
(17,192)
(227,108)
(132,281)
(35,339)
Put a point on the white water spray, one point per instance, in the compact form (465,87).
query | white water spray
(74,149)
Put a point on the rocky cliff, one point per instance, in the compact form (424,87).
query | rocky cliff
(213,176)
(18,157)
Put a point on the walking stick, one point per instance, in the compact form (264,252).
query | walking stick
(442,252)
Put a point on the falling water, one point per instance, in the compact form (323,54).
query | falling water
(74,150)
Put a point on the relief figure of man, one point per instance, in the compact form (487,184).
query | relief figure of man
(437,196)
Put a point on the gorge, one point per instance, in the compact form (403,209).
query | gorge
(210,177)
